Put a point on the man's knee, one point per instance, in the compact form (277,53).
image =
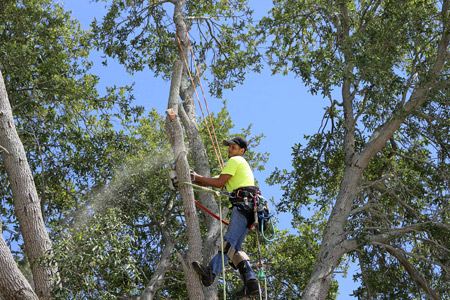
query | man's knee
(238,258)
(228,250)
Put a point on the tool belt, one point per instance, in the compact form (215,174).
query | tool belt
(247,200)
(243,195)
(244,199)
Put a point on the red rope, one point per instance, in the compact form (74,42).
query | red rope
(215,216)
(210,212)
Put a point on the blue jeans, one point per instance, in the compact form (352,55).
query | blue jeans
(236,232)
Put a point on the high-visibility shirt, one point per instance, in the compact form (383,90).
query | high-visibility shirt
(241,174)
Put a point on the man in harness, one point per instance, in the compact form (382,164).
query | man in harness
(237,178)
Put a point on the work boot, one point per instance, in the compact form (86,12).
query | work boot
(251,288)
(205,273)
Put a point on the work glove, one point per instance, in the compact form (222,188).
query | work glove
(173,180)
(193,175)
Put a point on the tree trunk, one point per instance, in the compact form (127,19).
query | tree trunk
(13,285)
(26,201)
(331,249)
(176,138)
(197,149)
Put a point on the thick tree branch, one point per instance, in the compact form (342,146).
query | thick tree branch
(412,271)
(418,97)
(158,276)
(353,244)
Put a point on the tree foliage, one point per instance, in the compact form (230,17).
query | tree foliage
(389,60)
(143,34)
(66,127)
(119,235)
(101,168)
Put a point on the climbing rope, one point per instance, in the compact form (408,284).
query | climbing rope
(218,218)
(214,141)
(261,274)
(221,247)
(204,98)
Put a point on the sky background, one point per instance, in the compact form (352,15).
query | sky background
(278,106)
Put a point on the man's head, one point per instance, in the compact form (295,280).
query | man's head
(236,146)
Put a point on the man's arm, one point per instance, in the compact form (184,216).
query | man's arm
(218,182)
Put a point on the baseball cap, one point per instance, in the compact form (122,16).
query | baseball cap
(238,140)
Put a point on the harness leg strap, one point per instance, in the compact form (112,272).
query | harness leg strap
(228,250)
(239,257)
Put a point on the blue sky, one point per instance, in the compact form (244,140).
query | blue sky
(279,106)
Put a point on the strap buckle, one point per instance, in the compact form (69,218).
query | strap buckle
(241,193)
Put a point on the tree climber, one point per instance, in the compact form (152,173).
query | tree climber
(237,177)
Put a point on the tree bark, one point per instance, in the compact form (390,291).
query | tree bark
(13,285)
(26,201)
(198,151)
(176,138)
(202,167)
(331,249)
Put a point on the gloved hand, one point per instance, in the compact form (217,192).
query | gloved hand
(193,175)
(173,180)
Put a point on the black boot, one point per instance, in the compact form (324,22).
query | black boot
(205,273)
(251,286)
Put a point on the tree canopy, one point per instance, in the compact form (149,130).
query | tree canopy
(375,175)
(378,164)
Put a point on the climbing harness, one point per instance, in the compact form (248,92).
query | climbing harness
(260,214)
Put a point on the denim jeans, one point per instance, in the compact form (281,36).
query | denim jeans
(236,232)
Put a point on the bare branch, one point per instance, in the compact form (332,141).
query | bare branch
(399,254)
(364,275)
(353,244)
(382,189)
